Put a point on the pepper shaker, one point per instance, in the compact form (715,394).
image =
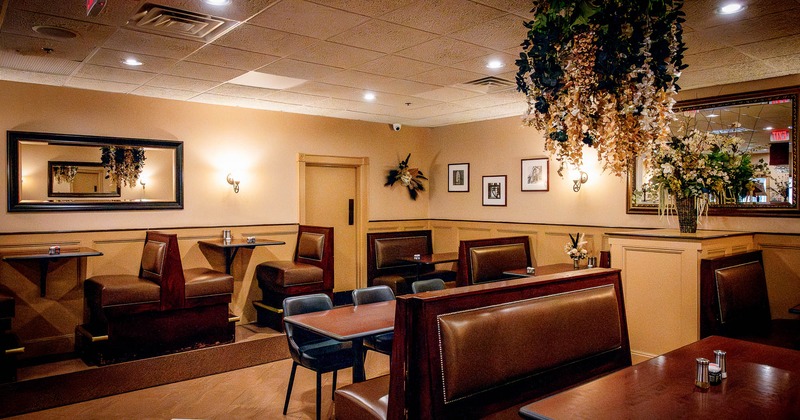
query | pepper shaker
(701,376)
(721,361)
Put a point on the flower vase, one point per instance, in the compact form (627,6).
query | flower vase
(687,214)
(575,263)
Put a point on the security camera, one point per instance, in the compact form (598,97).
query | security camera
(396,127)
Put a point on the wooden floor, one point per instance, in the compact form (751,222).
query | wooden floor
(255,392)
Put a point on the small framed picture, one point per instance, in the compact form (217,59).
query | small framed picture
(458,177)
(536,174)
(494,190)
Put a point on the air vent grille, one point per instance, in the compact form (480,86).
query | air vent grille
(491,81)
(163,20)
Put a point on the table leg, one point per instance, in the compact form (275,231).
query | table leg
(230,255)
(358,366)
(43,264)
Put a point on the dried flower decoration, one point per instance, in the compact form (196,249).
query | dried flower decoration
(64,173)
(602,74)
(123,164)
(410,178)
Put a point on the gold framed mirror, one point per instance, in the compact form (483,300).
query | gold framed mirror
(43,169)
(765,121)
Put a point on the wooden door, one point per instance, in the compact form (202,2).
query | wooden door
(330,195)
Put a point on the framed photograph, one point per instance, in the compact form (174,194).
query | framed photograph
(536,174)
(458,177)
(494,190)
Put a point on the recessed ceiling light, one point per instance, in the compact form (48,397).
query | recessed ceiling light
(131,62)
(495,64)
(730,8)
(369,96)
(217,2)
(712,115)
(55,32)
(768,128)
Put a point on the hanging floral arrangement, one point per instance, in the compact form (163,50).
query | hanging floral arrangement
(64,173)
(410,178)
(602,74)
(123,164)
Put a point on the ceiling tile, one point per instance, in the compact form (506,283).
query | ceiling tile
(502,33)
(37,63)
(377,83)
(204,71)
(264,40)
(182,83)
(305,18)
(295,98)
(113,74)
(102,85)
(444,51)
(327,90)
(442,16)
(113,58)
(164,93)
(751,30)
(298,69)
(492,99)
(27,45)
(236,10)
(446,76)
(776,47)
(335,55)
(369,8)
(232,58)
(150,44)
(89,35)
(31,77)
(518,7)
(716,58)
(478,64)
(386,37)
(704,15)
(448,94)
(114,14)
(394,66)
(441,109)
(230,89)
(209,98)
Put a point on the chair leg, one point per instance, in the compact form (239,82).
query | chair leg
(333,388)
(289,389)
(319,395)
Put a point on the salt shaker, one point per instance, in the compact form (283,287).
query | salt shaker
(701,377)
(721,361)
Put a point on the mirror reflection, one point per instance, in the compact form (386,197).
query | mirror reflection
(765,129)
(65,172)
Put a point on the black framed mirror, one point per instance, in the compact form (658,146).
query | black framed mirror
(63,172)
(765,121)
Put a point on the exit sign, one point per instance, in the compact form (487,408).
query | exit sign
(94,7)
(779,135)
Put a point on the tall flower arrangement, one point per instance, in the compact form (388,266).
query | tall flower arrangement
(601,73)
(123,164)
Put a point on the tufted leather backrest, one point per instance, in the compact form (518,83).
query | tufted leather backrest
(475,346)
(743,300)
(487,263)
(153,256)
(311,245)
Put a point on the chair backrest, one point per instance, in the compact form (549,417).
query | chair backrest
(734,298)
(427,285)
(372,294)
(296,305)
(315,247)
(386,249)
(161,264)
(484,260)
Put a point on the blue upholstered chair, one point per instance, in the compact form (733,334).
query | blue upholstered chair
(313,351)
(427,285)
(381,343)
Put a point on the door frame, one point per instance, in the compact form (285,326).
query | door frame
(361,165)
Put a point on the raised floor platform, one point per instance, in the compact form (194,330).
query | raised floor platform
(70,381)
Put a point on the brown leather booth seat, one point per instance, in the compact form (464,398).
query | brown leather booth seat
(485,260)
(734,302)
(164,309)
(481,350)
(385,264)
(310,271)
(10,345)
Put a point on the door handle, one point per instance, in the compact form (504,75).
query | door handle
(351,205)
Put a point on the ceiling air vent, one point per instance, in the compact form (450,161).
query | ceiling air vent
(163,20)
(490,84)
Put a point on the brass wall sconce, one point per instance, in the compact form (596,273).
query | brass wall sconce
(233,181)
(579,178)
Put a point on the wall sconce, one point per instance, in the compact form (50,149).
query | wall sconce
(233,181)
(579,178)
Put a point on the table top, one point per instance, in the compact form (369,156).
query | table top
(763,382)
(541,270)
(239,243)
(435,258)
(346,323)
(38,254)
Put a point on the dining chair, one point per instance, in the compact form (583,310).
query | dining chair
(382,343)
(427,285)
(313,351)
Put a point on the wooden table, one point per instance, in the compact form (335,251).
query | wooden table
(540,270)
(350,323)
(43,257)
(763,382)
(230,248)
(432,259)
